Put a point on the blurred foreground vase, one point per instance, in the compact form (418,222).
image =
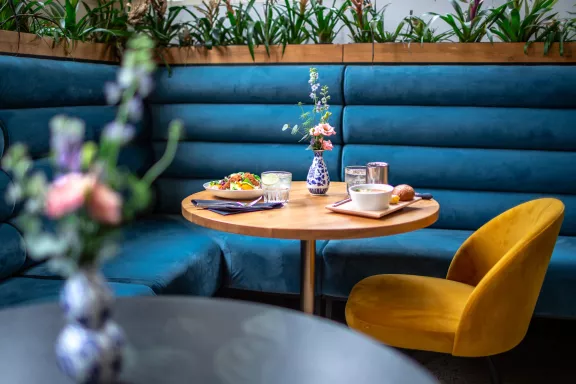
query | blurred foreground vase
(90,347)
(318,179)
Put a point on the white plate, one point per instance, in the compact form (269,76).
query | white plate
(234,195)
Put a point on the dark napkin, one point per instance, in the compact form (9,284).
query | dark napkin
(230,208)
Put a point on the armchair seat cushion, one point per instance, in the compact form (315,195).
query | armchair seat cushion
(164,254)
(406,311)
(428,252)
(24,290)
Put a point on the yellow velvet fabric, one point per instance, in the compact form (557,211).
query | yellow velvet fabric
(484,305)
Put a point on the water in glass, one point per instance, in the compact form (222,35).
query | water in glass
(354,175)
(276,186)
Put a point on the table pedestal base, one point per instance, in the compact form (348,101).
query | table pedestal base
(308,262)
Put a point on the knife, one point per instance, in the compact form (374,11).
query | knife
(424,196)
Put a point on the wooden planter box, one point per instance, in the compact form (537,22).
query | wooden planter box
(27,44)
(463,53)
(13,43)
(308,53)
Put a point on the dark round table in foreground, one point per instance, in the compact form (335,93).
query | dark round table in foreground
(210,341)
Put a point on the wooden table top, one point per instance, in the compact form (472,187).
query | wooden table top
(306,218)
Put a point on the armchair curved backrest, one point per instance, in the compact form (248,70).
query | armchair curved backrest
(506,261)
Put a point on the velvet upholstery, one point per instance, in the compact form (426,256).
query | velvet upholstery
(164,254)
(262,264)
(482,139)
(549,86)
(498,271)
(23,290)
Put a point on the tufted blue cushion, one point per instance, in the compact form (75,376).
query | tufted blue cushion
(38,83)
(428,252)
(246,123)
(262,264)
(22,290)
(12,255)
(463,127)
(164,254)
(471,209)
(472,169)
(284,84)
(532,86)
(31,126)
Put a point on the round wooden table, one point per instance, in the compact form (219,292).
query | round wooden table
(305,218)
(181,340)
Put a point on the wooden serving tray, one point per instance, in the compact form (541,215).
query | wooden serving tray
(350,209)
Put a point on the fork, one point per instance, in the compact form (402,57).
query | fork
(250,203)
(228,203)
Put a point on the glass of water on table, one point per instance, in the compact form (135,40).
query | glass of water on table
(354,175)
(276,186)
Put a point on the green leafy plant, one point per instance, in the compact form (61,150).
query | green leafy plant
(421,31)
(474,23)
(324,23)
(22,16)
(514,27)
(555,31)
(98,24)
(270,27)
(240,29)
(160,24)
(296,15)
(208,27)
(365,23)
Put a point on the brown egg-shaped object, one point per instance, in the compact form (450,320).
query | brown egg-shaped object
(404,191)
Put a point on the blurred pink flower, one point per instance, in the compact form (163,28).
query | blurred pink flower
(67,193)
(105,205)
(314,132)
(327,145)
(324,129)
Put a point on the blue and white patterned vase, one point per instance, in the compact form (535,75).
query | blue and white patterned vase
(318,179)
(90,347)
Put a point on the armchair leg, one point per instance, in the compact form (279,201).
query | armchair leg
(494,376)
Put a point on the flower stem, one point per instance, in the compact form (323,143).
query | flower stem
(161,165)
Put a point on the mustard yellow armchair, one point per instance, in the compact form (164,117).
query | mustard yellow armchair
(484,305)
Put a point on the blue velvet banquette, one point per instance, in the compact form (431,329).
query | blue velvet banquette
(480,138)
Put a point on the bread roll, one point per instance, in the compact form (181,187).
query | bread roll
(404,191)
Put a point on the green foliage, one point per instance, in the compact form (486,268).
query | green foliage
(21,15)
(296,15)
(270,28)
(102,23)
(208,27)
(421,31)
(555,31)
(470,25)
(163,28)
(323,23)
(365,23)
(520,22)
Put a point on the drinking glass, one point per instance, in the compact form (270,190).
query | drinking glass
(276,186)
(354,175)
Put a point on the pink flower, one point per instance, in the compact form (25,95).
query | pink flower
(105,205)
(314,132)
(67,194)
(327,145)
(324,129)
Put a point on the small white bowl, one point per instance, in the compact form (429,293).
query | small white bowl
(371,200)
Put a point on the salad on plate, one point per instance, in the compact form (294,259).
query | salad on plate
(239,181)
